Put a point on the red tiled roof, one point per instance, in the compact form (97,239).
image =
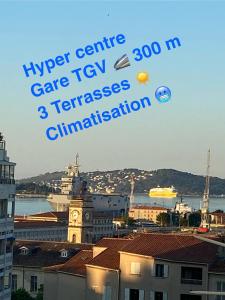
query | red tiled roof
(109,258)
(218,214)
(33,224)
(45,253)
(149,207)
(111,242)
(176,247)
(52,214)
(76,265)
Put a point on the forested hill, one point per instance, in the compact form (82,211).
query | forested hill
(119,181)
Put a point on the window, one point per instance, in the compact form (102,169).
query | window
(14,282)
(7,280)
(1,283)
(64,253)
(220,287)
(161,270)
(33,284)
(157,295)
(24,250)
(135,268)
(134,294)
(190,297)
(107,292)
(191,275)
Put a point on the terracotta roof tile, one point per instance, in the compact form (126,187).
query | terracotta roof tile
(33,224)
(44,254)
(149,207)
(76,265)
(109,258)
(53,214)
(175,247)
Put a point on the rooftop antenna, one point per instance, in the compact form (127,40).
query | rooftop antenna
(132,182)
(205,222)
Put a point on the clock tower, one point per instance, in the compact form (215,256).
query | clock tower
(80,227)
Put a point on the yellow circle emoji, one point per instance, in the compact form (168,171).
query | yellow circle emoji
(142,77)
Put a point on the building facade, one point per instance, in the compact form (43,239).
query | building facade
(142,267)
(149,213)
(30,257)
(7,209)
(41,231)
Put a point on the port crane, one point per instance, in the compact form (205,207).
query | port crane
(205,218)
(132,182)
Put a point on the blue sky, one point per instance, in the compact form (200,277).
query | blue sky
(173,135)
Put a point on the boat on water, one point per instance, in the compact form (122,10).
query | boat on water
(163,192)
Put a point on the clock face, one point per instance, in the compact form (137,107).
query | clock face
(87,216)
(75,214)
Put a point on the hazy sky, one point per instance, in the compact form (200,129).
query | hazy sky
(173,135)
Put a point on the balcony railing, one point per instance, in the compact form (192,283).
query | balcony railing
(191,281)
(7,181)
(6,259)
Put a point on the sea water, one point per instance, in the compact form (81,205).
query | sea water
(25,206)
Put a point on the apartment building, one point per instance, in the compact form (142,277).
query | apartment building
(149,213)
(217,219)
(30,257)
(7,209)
(40,230)
(53,226)
(147,266)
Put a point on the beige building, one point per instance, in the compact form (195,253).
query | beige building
(53,226)
(142,267)
(149,213)
(217,219)
(30,257)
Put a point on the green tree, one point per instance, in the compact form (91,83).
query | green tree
(21,294)
(163,219)
(128,220)
(40,293)
(183,221)
(194,219)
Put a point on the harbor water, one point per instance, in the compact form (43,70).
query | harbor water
(25,206)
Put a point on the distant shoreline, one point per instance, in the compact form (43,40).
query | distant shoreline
(44,196)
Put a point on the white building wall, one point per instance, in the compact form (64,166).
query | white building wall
(7,208)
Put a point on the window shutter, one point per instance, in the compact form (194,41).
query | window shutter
(219,285)
(166,270)
(108,292)
(135,268)
(223,287)
(152,295)
(165,296)
(141,294)
(138,268)
(127,294)
(104,293)
(153,270)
